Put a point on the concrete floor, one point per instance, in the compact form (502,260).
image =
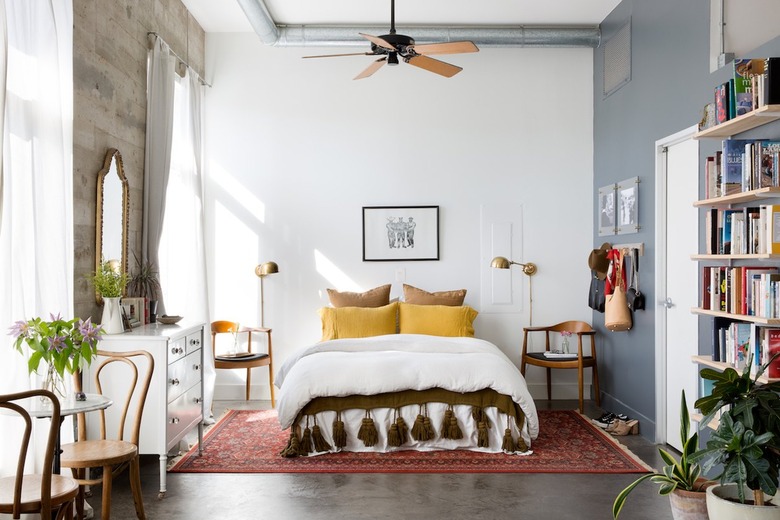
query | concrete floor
(392,496)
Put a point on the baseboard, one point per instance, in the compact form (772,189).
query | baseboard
(559,391)
(646,424)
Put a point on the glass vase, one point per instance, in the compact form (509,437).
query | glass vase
(53,383)
(565,345)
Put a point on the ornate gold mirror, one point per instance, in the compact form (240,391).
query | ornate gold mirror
(111,213)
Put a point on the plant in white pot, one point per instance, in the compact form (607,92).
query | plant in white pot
(746,443)
(110,282)
(680,479)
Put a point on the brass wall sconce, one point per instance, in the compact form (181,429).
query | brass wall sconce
(529,269)
(263,270)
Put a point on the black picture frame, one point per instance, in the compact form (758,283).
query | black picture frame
(400,233)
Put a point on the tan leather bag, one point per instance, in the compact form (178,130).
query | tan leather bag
(617,315)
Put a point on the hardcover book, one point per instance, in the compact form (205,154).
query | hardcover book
(772,348)
(733,158)
(722,102)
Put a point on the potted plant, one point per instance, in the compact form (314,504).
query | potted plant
(746,443)
(110,282)
(680,479)
(65,346)
(144,282)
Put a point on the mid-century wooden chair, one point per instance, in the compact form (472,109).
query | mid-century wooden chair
(36,493)
(581,361)
(248,359)
(113,454)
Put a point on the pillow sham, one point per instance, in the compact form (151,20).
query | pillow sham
(358,322)
(436,320)
(417,296)
(376,297)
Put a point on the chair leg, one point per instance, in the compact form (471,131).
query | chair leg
(580,384)
(79,474)
(273,400)
(248,382)
(105,507)
(549,386)
(596,390)
(135,486)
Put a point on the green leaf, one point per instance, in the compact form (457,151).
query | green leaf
(620,500)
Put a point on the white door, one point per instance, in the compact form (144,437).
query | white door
(677,235)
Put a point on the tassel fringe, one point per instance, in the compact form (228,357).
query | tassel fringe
(393,437)
(509,444)
(367,432)
(483,441)
(403,430)
(305,447)
(418,430)
(339,433)
(291,450)
(320,444)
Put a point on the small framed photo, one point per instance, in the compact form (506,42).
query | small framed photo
(628,206)
(134,309)
(607,210)
(394,233)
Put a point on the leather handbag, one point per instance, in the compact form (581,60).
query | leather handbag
(617,315)
(635,299)
(596,296)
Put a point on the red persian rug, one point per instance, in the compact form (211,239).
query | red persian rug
(249,441)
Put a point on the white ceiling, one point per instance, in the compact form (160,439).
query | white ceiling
(227,15)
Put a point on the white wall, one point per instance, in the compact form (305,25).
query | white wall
(295,148)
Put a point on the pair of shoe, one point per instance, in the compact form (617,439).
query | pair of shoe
(621,427)
(608,418)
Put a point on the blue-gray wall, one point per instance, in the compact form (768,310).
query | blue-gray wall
(669,86)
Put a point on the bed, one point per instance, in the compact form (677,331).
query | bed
(403,376)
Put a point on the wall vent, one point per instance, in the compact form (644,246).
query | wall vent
(617,60)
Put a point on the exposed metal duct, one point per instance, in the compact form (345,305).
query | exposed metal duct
(347,36)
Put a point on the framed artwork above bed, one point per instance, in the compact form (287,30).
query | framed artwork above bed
(395,233)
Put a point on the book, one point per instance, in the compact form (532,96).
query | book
(744,71)
(773,229)
(772,83)
(767,155)
(722,102)
(733,159)
(772,348)
(728,215)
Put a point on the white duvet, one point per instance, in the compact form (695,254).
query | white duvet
(394,362)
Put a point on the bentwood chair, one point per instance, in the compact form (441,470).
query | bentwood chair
(42,493)
(579,329)
(248,359)
(113,454)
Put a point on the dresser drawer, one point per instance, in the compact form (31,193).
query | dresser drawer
(183,413)
(194,341)
(182,374)
(177,349)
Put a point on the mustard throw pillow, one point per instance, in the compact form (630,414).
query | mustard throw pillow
(358,322)
(436,320)
(376,297)
(419,297)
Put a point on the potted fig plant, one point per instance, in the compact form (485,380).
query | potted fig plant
(746,443)
(680,479)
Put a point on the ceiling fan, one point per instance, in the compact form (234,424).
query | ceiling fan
(392,46)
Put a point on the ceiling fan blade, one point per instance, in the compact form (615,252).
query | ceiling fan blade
(379,42)
(337,55)
(446,48)
(432,65)
(375,66)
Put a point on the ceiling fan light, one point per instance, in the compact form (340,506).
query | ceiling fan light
(392,58)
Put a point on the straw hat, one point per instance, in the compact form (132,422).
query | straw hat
(598,261)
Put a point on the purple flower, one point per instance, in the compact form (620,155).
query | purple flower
(90,333)
(57,343)
(58,317)
(19,329)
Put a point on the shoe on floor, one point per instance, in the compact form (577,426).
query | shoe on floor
(608,418)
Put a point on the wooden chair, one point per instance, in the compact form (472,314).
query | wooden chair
(578,328)
(248,359)
(113,454)
(39,493)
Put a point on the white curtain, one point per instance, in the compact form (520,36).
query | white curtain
(182,254)
(160,83)
(36,185)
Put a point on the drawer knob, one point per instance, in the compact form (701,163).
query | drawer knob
(177,350)
(196,367)
(175,381)
(174,420)
(194,342)
(198,400)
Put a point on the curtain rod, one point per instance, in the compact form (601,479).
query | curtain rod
(182,60)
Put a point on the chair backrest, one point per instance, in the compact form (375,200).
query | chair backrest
(136,394)
(571,326)
(9,402)
(218,327)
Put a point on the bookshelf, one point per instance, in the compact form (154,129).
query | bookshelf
(718,365)
(743,123)
(726,258)
(738,198)
(739,317)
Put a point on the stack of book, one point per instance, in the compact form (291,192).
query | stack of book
(755,83)
(738,343)
(748,291)
(753,230)
(742,165)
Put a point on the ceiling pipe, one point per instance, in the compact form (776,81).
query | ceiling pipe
(347,36)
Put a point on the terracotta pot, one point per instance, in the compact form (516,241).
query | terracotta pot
(723,504)
(691,505)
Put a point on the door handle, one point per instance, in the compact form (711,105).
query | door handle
(667,303)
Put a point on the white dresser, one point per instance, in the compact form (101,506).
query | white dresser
(174,405)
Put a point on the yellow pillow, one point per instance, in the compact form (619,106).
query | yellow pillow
(358,322)
(437,320)
(419,297)
(376,297)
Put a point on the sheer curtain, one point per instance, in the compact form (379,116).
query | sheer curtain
(182,255)
(36,186)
